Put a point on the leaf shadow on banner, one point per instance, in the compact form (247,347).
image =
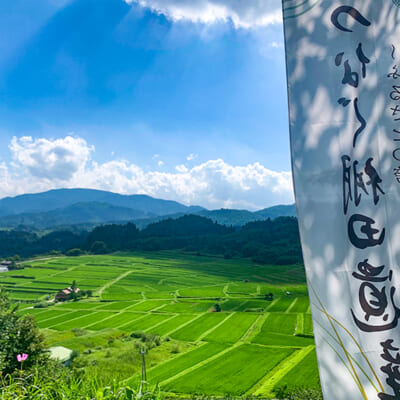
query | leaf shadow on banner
(322,131)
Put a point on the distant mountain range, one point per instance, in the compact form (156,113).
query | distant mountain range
(87,207)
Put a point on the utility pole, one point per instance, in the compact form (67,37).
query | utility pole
(143,381)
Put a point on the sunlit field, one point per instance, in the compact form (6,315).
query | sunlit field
(210,326)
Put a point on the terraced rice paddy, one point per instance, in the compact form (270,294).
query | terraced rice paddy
(226,326)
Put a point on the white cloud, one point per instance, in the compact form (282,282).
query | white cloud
(58,159)
(160,163)
(245,14)
(181,168)
(191,157)
(43,164)
(277,45)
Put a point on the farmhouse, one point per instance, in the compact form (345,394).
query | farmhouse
(6,264)
(67,294)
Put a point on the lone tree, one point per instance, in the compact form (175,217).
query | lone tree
(217,307)
(18,335)
(269,296)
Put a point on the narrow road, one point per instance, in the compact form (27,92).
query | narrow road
(107,285)
(38,259)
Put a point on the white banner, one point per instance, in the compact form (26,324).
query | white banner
(343,67)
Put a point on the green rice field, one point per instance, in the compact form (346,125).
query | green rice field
(211,326)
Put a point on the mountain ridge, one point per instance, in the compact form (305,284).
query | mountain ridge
(88,208)
(60,198)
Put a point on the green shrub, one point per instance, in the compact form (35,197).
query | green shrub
(41,305)
(284,393)
(57,383)
(79,331)
(18,335)
(99,247)
(74,252)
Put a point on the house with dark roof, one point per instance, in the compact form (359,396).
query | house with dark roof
(66,294)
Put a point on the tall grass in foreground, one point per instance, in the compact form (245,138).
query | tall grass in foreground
(66,386)
(39,385)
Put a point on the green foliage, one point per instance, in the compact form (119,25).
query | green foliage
(98,247)
(153,287)
(18,335)
(57,383)
(265,242)
(217,307)
(114,237)
(269,296)
(75,252)
(41,305)
(298,394)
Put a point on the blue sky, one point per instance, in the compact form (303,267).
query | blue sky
(178,99)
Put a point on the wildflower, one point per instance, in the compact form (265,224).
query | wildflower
(22,357)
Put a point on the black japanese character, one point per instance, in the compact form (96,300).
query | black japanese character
(387,347)
(392,380)
(394,74)
(363,59)
(344,102)
(395,110)
(374,179)
(350,77)
(353,182)
(350,11)
(396,154)
(346,182)
(370,273)
(395,94)
(366,228)
(362,121)
(376,308)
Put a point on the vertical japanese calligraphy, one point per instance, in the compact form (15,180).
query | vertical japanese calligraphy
(343,70)
(394,110)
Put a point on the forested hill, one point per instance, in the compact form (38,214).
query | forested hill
(59,199)
(83,209)
(271,241)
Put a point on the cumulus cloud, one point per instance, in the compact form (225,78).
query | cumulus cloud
(43,164)
(245,14)
(181,168)
(58,159)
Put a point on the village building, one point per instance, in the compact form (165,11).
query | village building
(61,354)
(6,265)
(66,294)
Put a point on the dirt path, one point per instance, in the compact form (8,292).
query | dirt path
(107,285)
(39,259)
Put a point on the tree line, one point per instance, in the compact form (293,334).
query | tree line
(267,242)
